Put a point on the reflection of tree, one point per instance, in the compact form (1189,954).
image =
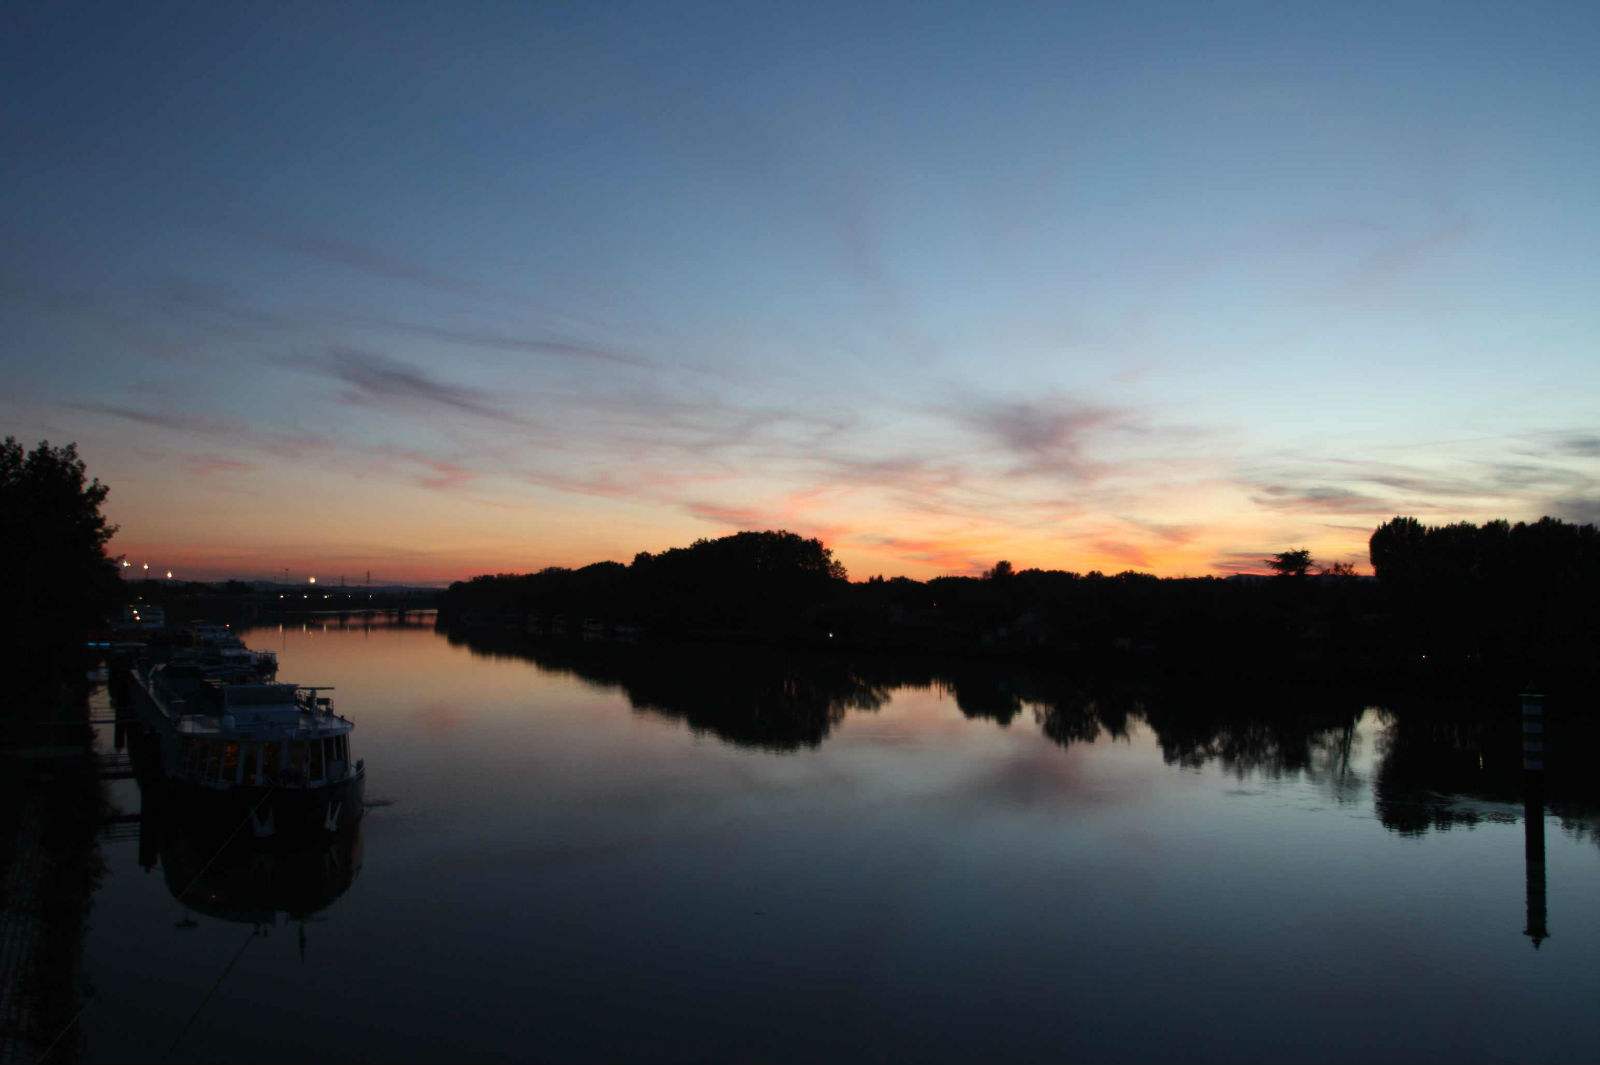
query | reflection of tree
(1460,763)
(1069,722)
(1439,772)
(765,697)
(985,692)
(1440,765)
(761,700)
(1272,730)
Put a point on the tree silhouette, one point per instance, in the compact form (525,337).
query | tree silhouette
(1290,563)
(53,538)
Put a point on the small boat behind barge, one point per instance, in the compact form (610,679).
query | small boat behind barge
(274,753)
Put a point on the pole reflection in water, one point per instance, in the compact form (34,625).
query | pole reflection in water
(1533,812)
(1533,846)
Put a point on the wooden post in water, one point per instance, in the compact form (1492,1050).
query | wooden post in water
(1533,813)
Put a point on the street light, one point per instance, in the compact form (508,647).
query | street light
(313,580)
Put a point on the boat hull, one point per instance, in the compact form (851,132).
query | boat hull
(290,814)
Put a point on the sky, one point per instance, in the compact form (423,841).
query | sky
(431,290)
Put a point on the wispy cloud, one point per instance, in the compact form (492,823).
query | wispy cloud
(1240,562)
(212,465)
(418,467)
(374,380)
(171,420)
(1166,531)
(1583,445)
(1585,510)
(368,260)
(1319,499)
(949,555)
(533,345)
(736,517)
(1044,435)
(1379,270)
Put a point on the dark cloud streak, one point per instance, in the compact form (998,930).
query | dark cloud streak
(374,380)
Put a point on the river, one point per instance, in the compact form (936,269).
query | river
(600,852)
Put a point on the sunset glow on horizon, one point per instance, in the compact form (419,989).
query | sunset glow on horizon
(333,292)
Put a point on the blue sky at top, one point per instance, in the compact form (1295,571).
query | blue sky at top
(1082,285)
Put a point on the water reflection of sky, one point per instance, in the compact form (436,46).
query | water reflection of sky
(566,874)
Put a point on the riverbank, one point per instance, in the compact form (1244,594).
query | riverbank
(51,804)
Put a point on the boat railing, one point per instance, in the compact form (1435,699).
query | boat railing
(314,704)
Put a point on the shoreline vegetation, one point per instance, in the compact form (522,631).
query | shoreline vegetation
(1498,604)
(51,802)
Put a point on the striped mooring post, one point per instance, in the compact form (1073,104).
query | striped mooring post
(1533,732)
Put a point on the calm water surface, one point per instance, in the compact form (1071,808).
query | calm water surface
(603,856)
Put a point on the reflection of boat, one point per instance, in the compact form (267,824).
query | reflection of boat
(276,754)
(242,878)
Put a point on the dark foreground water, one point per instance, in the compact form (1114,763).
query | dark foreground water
(614,855)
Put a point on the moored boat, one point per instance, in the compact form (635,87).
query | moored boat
(275,754)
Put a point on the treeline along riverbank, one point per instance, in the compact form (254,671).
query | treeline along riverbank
(60,586)
(1508,604)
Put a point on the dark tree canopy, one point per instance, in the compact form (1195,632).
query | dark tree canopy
(1520,594)
(762,580)
(53,538)
(1291,563)
(1504,603)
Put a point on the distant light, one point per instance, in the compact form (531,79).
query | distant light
(169,574)
(147,565)
(313,580)
(126,563)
